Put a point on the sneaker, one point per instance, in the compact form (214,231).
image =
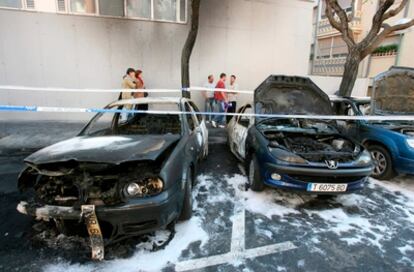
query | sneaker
(222,126)
(213,123)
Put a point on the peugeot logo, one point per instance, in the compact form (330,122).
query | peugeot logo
(332,164)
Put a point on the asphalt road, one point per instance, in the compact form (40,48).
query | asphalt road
(231,230)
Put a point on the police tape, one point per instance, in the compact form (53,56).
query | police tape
(69,90)
(16,108)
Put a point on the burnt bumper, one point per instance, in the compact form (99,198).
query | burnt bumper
(137,216)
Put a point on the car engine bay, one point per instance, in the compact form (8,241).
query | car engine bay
(315,140)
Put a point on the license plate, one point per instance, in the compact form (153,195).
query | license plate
(326,187)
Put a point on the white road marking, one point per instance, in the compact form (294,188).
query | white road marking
(238,251)
(231,256)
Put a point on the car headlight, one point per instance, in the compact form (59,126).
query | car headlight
(144,188)
(364,159)
(410,142)
(286,156)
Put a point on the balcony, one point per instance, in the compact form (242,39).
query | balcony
(325,28)
(328,66)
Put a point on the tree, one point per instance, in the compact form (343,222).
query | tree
(357,51)
(188,47)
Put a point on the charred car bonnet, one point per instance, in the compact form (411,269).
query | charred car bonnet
(130,177)
(300,154)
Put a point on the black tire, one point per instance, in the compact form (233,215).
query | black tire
(383,168)
(187,210)
(254,177)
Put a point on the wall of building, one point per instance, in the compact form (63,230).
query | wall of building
(251,39)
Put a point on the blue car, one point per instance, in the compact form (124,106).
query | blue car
(308,155)
(391,143)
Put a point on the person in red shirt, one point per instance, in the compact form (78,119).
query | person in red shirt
(221,102)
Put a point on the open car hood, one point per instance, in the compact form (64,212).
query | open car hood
(394,92)
(280,94)
(105,149)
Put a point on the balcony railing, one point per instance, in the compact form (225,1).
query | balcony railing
(329,66)
(325,27)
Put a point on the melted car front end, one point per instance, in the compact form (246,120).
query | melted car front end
(302,154)
(311,152)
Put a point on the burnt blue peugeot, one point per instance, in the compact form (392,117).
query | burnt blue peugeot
(300,154)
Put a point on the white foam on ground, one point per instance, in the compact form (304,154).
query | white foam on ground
(269,202)
(143,259)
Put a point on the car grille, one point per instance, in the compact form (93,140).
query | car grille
(329,179)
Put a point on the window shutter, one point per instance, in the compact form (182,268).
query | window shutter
(61,5)
(30,4)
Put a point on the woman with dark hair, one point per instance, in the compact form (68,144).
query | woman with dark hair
(140,84)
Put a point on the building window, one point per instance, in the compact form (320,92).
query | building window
(139,9)
(165,10)
(155,10)
(83,6)
(11,4)
(111,7)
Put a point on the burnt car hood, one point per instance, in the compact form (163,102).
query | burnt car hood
(105,149)
(394,92)
(291,95)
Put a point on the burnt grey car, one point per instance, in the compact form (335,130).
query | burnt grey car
(308,155)
(123,175)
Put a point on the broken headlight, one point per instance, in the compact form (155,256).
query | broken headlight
(144,188)
(364,159)
(286,156)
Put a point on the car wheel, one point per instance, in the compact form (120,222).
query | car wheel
(382,163)
(187,210)
(255,179)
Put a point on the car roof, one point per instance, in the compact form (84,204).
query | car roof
(148,100)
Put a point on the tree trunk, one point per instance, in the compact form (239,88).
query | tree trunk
(188,48)
(350,73)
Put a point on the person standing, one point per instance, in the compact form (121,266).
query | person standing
(128,83)
(139,84)
(209,97)
(232,97)
(221,102)
(140,94)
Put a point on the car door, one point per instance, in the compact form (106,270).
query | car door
(203,127)
(241,127)
(195,130)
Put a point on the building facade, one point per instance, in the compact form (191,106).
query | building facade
(90,44)
(329,51)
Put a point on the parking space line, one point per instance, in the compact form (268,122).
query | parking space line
(231,257)
(238,251)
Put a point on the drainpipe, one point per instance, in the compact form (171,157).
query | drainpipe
(315,37)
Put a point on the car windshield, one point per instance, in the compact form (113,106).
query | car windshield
(116,123)
(299,125)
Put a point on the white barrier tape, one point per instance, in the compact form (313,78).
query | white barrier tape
(93,110)
(53,89)
(220,90)
(50,89)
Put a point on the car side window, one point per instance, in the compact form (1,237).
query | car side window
(191,119)
(197,112)
(245,120)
